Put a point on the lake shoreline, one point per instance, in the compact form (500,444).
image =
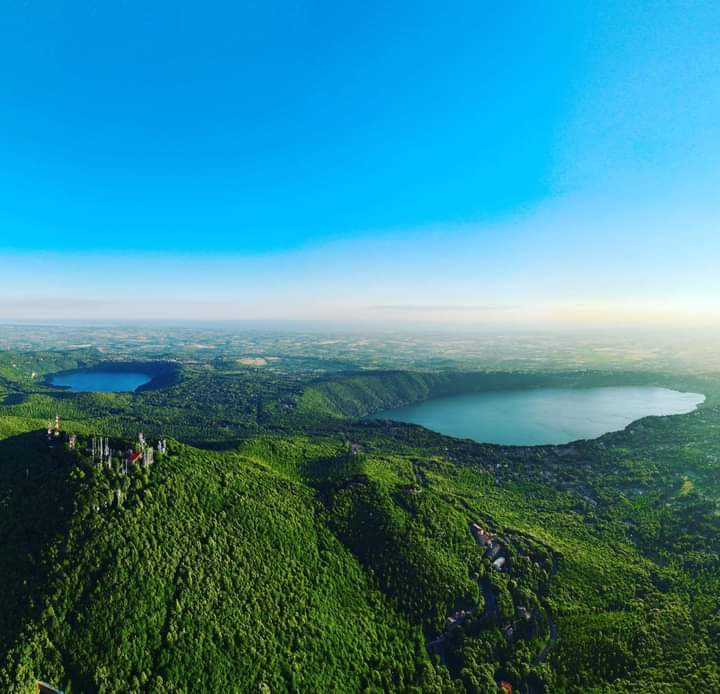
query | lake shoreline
(542,416)
(158,375)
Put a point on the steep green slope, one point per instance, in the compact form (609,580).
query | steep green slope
(212,574)
(301,564)
(596,612)
(358,395)
(35,508)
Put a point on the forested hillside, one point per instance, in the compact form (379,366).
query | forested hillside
(211,573)
(285,543)
(316,564)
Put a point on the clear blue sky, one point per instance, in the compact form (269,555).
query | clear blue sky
(463,159)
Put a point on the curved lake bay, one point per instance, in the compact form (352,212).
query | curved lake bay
(101,381)
(542,415)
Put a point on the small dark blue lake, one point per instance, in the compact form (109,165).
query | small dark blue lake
(101,381)
(538,416)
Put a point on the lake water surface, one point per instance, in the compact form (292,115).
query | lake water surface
(542,415)
(101,381)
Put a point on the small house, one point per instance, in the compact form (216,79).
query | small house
(499,563)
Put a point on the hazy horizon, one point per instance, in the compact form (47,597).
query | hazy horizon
(472,164)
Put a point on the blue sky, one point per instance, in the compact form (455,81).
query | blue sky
(467,161)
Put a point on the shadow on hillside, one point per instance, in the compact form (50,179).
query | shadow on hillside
(15,399)
(35,508)
(219,446)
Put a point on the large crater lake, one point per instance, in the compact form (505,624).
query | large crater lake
(101,381)
(542,415)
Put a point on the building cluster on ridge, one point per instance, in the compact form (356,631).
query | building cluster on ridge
(102,452)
